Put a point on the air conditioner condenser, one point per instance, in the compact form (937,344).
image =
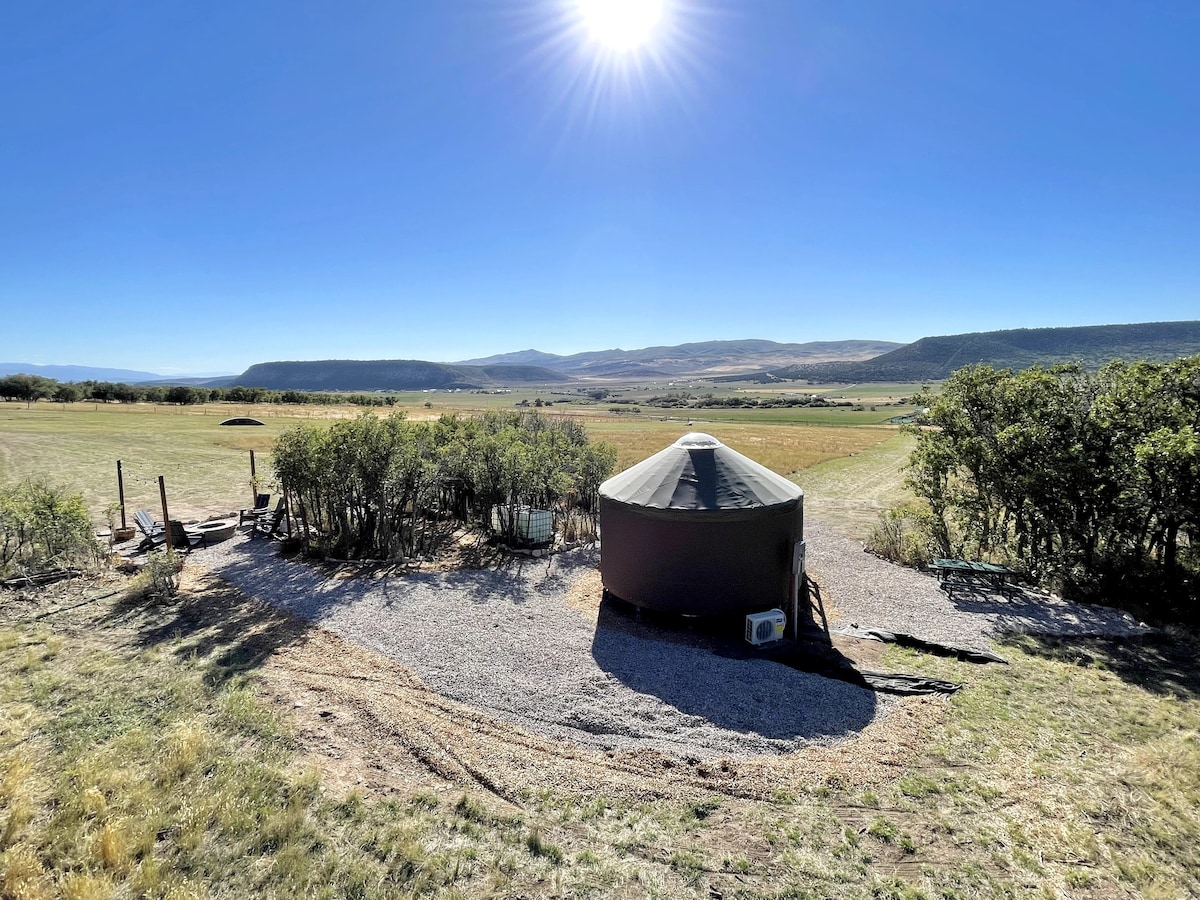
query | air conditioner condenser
(765,627)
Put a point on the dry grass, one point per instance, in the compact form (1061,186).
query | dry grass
(786,449)
(849,492)
(207,468)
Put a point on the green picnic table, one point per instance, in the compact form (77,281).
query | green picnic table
(974,572)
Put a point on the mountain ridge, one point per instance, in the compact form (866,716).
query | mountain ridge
(387,374)
(78,373)
(934,358)
(696,358)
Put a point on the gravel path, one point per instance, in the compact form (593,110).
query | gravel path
(866,590)
(504,640)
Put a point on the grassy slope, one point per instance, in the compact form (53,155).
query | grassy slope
(850,491)
(136,762)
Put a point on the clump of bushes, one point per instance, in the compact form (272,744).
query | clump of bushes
(1090,480)
(384,488)
(43,527)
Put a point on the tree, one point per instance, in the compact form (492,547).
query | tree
(1092,480)
(29,388)
(68,392)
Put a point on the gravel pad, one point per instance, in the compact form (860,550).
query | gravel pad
(505,641)
(870,591)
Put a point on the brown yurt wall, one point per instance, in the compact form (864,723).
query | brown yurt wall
(695,564)
(699,529)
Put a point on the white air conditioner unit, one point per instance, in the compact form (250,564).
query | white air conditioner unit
(765,627)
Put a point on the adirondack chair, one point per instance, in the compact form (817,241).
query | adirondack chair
(271,524)
(262,507)
(153,533)
(183,538)
(156,534)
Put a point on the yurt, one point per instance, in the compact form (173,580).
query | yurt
(699,529)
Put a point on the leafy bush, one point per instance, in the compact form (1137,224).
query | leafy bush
(902,536)
(43,527)
(1092,480)
(158,579)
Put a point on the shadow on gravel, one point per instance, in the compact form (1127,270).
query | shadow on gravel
(214,622)
(1157,662)
(697,668)
(1019,609)
(315,590)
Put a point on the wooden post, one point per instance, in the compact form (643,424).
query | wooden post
(162,492)
(121,492)
(253,483)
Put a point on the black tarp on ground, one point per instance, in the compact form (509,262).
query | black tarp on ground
(966,654)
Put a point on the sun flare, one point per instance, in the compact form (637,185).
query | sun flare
(603,62)
(621,25)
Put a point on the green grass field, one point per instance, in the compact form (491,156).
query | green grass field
(206,467)
(834,416)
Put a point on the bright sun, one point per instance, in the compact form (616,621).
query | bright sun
(621,25)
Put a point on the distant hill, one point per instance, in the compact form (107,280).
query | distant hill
(705,358)
(388,375)
(78,373)
(218,381)
(933,358)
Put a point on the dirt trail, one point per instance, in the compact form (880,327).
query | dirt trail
(849,494)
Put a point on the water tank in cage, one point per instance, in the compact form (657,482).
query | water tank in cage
(526,524)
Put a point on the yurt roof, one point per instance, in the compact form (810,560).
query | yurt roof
(698,472)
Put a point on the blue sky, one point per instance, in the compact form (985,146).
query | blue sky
(197,187)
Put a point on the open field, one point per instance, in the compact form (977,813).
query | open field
(849,492)
(207,467)
(837,416)
(785,449)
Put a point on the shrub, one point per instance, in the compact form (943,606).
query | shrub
(43,527)
(901,535)
(380,488)
(158,578)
